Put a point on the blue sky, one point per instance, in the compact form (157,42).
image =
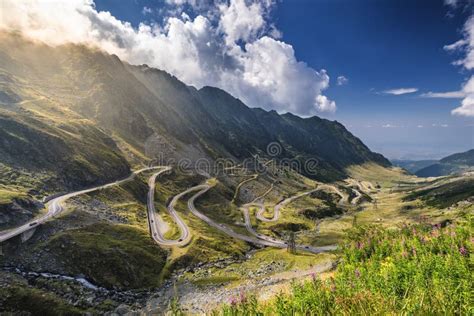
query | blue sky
(380,45)
(377,46)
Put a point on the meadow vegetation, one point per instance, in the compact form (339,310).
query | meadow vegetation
(446,194)
(414,269)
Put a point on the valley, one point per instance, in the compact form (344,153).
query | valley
(123,189)
(209,279)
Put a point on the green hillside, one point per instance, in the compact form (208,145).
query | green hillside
(456,163)
(412,166)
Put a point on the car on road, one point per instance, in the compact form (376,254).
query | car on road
(180,240)
(33,224)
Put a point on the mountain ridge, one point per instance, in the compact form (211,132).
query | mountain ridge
(132,104)
(455,163)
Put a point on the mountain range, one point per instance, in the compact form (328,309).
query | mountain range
(455,163)
(413,166)
(73,116)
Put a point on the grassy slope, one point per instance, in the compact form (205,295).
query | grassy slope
(75,153)
(6,196)
(385,272)
(126,203)
(446,194)
(16,206)
(456,163)
(390,206)
(111,255)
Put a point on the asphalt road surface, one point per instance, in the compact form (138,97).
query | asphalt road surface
(276,208)
(156,222)
(55,206)
(227,230)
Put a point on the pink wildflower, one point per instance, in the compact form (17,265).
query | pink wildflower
(463,251)
(242,297)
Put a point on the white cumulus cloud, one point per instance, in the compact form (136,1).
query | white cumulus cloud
(324,104)
(467,92)
(342,80)
(270,67)
(231,45)
(467,104)
(240,21)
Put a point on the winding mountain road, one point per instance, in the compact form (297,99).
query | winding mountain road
(344,197)
(276,208)
(277,242)
(357,198)
(55,206)
(268,241)
(155,221)
(248,224)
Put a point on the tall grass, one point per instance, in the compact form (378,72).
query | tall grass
(415,269)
